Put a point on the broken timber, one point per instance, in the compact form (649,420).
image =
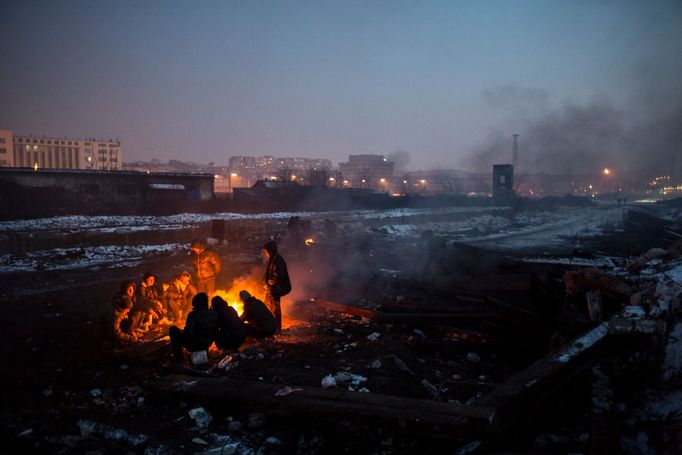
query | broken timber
(402,318)
(319,402)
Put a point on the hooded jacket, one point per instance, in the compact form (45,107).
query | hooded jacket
(202,324)
(276,276)
(206,264)
(122,302)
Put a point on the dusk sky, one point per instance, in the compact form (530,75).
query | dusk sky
(448,82)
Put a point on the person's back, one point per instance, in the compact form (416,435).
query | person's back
(260,320)
(201,327)
(231,330)
(120,320)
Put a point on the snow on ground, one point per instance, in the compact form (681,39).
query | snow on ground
(109,256)
(79,223)
(474,225)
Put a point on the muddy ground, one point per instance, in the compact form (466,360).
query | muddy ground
(67,389)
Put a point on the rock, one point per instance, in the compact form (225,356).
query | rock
(256,420)
(201,417)
(473,357)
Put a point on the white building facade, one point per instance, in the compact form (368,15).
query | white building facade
(59,153)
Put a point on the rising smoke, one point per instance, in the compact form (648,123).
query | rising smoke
(641,140)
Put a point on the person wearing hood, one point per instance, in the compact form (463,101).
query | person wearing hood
(123,324)
(206,265)
(258,320)
(200,329)
(231,330)
(177,296)
(276,280)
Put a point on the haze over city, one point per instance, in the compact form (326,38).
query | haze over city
(586,84)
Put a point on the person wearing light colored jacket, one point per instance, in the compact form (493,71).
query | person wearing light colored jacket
(207,265)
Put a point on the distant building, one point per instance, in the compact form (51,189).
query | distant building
(367,171)
(246,170)
(59,153)
(503,184)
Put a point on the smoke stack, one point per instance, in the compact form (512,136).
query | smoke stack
(515,151)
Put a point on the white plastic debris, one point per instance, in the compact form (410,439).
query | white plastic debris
(201,417)
(328,381)
(224,363)
(199,441)
(374,336)
(199,358)
(432,389)
(124,366)
(376,364)
(95,392)
(342,376)
(363,390)
(419,333)
(473,357)
(47,392)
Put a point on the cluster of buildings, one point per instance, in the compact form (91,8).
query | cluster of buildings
(59,153)
(366,172)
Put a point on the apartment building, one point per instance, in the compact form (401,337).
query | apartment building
(367,171)
(59,153)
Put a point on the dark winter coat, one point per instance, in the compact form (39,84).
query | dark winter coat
(257,315)
(231,330)
(201,328)
(276,277)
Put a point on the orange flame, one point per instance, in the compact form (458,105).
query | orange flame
(309,241)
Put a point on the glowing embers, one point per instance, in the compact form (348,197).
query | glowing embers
(309,241)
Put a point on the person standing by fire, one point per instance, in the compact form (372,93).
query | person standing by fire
(207,265)
(276,280)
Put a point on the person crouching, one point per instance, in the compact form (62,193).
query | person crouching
(200,330)
(259,321)
(231,330)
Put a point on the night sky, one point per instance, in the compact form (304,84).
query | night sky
(585,83)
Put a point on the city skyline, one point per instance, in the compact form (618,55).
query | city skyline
(585,84)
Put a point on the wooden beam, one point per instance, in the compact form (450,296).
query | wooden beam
(315,401)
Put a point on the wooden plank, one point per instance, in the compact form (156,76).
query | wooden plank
(332,402)
(355,311)
(517,396)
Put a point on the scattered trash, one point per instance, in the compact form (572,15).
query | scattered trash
(199,358)
(328,381)
(88,428)
(226,449)
(47,392)
(224,363)
(376,364)
(234,426)
(124,366)
(286,390)
(432,389)
(472,357)
(95,392)
(201,417)
(419,333)
(374,336)
(256,420)
(400,364)
(25,433)
(199,441)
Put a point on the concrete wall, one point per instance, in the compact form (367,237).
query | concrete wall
(28,193)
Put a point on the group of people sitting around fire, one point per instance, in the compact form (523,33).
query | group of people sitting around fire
(137,308)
